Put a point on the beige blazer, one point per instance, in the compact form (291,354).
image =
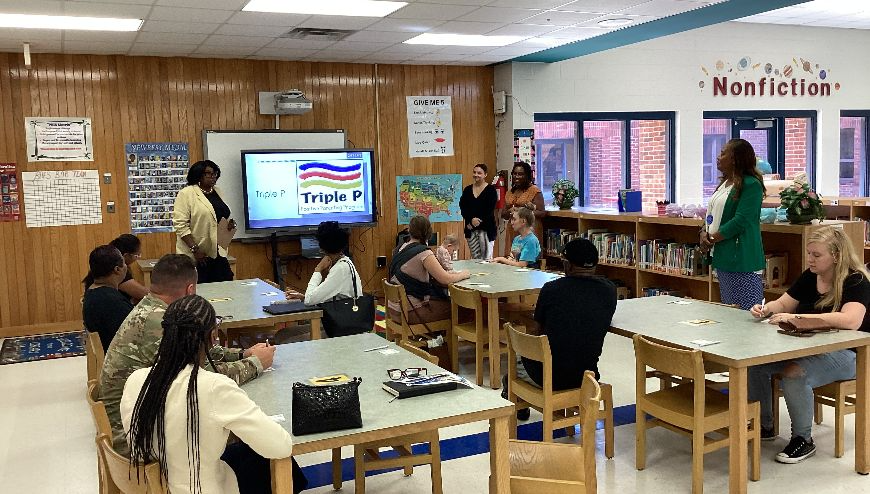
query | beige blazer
(194,215)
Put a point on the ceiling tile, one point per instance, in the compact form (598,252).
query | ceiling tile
(95,47)
(359,46)
(245,41)
(101,36)
(22,35)
(461,50)
(560,18)
(405,25)
(43,7)
(134,2)
(159,13)
(380,36)
(403,48)
(96,9)
(179,27)
(606,6)
(43,47)
(456,27)
(339,56)
(339,22)
(575,33)
(225,51)
(523,30)
(528,4)
(386,57)
(161,48)
(453,3)
(504,15)
(284,53)
(662,8)
(299,44)
(249,29)
(212,4)
(186,38)
(433,11)
(637,19)
(438,57)
(268,19)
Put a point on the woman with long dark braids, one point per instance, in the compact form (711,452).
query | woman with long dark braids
(181,415)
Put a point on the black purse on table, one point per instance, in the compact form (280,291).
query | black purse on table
(326,408)
(347,316)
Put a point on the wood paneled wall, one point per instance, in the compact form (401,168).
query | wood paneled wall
(148,99)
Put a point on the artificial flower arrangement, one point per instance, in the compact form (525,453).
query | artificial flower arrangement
(564,193)
(802,203)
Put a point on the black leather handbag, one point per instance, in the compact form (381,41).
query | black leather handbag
(347,316)
(326,408)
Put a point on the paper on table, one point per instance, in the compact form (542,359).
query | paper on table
(224,236)
(699,322)
(249,283)
(278,418)
(388,351)
(680,302)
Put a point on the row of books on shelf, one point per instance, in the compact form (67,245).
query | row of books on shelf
(652,291)
(671,257)
(613,248)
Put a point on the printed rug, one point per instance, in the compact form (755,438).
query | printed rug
(42,347)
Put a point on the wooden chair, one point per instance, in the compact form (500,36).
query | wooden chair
(147,480)
(554,468)
(367,456)
(103,426)
(402,329)
(559,408)
(689,408)
(95,355)
(475,331)
(838,394)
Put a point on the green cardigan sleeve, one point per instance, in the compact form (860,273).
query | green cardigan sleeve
(746,215)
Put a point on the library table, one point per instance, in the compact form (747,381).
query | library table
(499,280)
(147,265)
(743,342)
(382,417)
(240,303)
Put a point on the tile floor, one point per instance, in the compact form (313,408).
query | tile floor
(47,447)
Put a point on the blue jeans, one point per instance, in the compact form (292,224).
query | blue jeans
(816,370)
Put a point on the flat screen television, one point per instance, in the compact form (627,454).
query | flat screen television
(293,190)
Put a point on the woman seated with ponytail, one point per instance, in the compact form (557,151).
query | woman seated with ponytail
(181,415)
(104,307)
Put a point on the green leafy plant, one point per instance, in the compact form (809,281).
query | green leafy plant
(800,201)
(564,193)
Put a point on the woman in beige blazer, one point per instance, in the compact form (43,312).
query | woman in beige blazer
(196,214)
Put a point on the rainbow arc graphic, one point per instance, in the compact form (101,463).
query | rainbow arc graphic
(329,175)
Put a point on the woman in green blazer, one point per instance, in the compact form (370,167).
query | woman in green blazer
(732,230)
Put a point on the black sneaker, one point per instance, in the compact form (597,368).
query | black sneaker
(767,434)
(524,414)
(797,451)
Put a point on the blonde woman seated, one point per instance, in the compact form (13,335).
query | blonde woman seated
(836,289)
(525,248)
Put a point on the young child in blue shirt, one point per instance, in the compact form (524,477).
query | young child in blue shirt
(525,248)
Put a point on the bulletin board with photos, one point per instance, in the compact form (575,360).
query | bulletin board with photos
(156,171)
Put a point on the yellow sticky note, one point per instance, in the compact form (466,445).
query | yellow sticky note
(320,381)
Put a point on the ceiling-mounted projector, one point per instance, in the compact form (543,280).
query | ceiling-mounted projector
(292,102)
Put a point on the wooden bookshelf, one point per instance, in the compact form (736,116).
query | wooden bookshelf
(776,237)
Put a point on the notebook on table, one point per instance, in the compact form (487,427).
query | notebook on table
(401,390)
(288,307)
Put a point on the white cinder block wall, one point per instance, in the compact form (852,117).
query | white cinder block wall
(663,75)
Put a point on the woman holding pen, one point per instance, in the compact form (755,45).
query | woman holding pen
(835,288)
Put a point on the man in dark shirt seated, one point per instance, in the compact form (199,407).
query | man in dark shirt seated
(575,313)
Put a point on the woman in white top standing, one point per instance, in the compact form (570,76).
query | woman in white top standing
(181,415)
(335,273)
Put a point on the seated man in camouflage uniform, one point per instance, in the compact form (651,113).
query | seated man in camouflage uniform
(136,343)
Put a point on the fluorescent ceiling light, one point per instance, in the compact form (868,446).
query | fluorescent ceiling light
(354,8)
(28,21)
(462,40)
(617,22)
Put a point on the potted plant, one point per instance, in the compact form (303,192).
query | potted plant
(564,193)
(801,203)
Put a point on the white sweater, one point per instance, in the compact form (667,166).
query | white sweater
(223,407)
(339,281)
